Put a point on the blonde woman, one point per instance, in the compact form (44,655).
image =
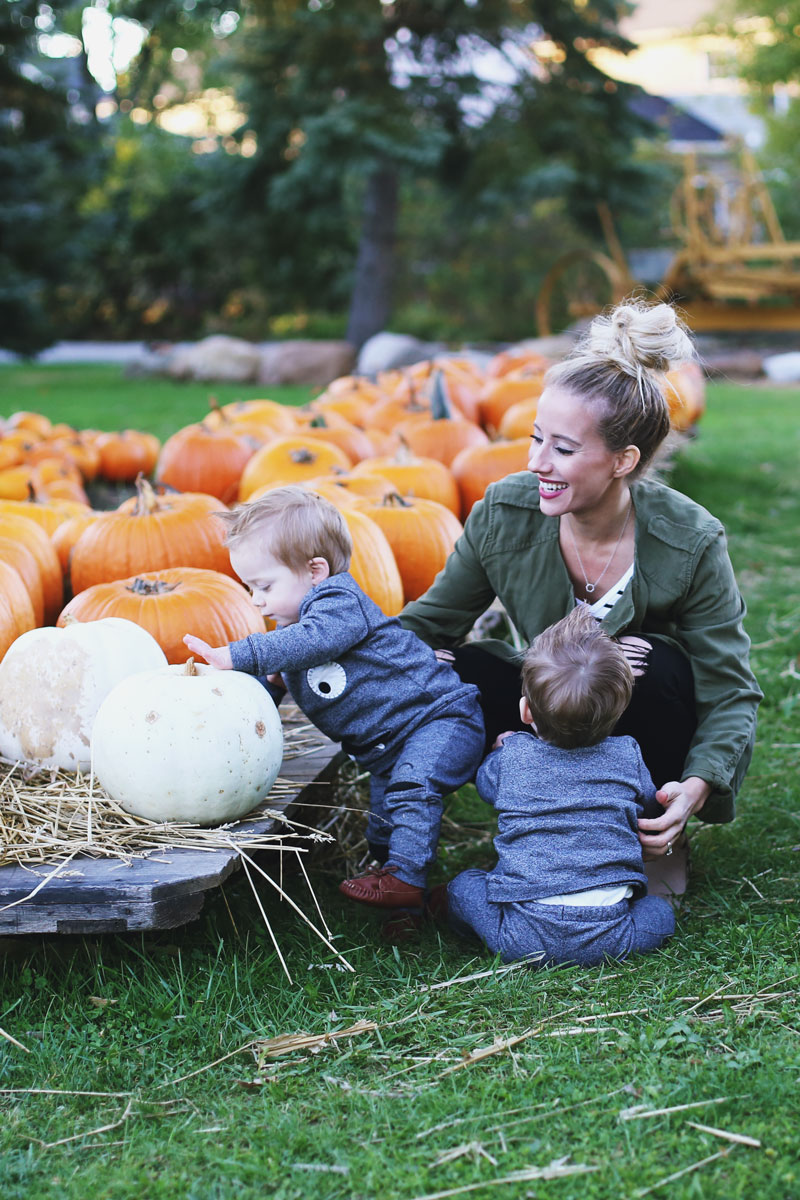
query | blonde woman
(585,524)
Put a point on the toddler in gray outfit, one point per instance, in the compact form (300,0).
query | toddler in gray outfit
(569,884)
(358,675)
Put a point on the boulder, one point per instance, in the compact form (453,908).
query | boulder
(385,351)
(783,368)
(219,357)
(733,363)
(304,362)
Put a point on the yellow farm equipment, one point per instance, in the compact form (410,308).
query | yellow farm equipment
(733,269)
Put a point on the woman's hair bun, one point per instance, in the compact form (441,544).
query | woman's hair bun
(636,335)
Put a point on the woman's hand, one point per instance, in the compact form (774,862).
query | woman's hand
(215,656)
(501,737)
(659,834)
(445,655)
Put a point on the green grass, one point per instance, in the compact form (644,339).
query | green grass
(101,397)
(713,1016)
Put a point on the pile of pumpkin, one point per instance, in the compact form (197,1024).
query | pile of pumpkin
(94,603)
(405,457)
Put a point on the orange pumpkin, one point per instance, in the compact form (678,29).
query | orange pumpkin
(48,514)
(499,394)
(126,454)
(12,587)
(19,556)
(475,468)
(199,459)
(31,534)
(354,406)
(421,533)
(154,533)
(516,359)
(292,460)
(16,483)
(8,625)
(267,415)
(170,603)
(373,564)
(68,532)
(415,476)
(441,438)
(32,423)
(517,421)
(685,393)
(332,427)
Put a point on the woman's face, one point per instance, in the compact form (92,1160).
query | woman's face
(576,469)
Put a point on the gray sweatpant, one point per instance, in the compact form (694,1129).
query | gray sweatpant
(557,933)
(406,803)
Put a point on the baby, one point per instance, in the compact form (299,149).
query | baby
(569,885)
(358,676)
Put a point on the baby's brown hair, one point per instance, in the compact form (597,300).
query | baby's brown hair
(576,681)
(295,525)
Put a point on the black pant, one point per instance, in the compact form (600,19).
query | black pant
(660,717)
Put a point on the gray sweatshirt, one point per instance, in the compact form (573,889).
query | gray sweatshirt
(357,674)
(567,819)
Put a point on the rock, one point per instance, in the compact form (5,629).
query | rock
(299,362)
(219,357)
(733,363)
(385,351)
(783,368)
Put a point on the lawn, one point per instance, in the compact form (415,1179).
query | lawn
(150,1070)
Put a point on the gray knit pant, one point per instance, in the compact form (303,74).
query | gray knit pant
(406,804)
(557,933)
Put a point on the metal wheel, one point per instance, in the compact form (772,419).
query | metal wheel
(579,285)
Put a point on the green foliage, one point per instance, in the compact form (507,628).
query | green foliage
(47,152)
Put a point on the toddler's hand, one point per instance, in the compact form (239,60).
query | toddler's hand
(215,656)
(501,737)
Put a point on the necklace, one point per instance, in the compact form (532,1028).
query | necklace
(590,587)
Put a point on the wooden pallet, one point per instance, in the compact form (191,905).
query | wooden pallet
(165,889)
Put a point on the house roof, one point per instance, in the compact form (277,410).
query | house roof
(676,122)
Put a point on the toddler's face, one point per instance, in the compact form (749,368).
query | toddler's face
(277,590)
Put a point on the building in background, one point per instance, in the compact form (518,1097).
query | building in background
(686,55)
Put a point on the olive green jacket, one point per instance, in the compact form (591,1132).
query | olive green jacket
(683,588)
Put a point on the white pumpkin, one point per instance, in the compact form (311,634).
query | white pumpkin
(53,680)
(188,743)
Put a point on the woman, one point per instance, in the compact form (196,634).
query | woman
(583,524)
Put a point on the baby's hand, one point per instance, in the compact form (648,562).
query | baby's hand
(501,737)
(215,656)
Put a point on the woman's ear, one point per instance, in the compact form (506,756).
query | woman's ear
(320,569)
(627,461)
(525,713)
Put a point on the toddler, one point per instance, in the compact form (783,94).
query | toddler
(569,885)
(358,676)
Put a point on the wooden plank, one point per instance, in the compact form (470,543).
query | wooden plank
(165,889)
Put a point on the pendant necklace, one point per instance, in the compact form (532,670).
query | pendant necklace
(590,587)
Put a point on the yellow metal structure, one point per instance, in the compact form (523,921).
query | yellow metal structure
(734,268)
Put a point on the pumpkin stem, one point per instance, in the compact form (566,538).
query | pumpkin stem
(190,668)
(146,499)
(302,456)
(150,587)
(395,500)
(441,408)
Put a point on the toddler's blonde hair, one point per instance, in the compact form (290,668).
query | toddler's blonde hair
(293,524)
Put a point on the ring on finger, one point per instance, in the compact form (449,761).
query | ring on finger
(669,848)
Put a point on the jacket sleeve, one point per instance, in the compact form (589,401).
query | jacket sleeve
(331,626)
(727,696)
(460,593)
